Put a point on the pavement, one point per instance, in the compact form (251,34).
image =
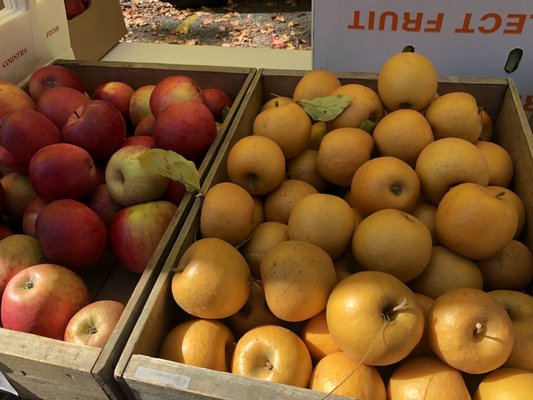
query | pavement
(279,24)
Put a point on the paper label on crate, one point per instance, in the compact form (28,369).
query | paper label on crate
(166,378)
(6,386)
(482,38)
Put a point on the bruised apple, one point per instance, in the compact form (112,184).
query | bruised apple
(212,279)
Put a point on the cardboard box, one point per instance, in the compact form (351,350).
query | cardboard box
(144,376)
(461,38)
(95,31)
(27,49)
(43,368)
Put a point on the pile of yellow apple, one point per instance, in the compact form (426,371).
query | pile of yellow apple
(366,243)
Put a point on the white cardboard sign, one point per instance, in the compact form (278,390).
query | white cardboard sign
(462,38)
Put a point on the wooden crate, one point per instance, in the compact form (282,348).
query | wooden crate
(39,367)
(144,376)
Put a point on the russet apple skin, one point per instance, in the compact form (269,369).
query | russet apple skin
(59,102)
(135,232)
(42,298)
(94,323)
(62,170)
(96,126)
(71,234)
(13,98)
(23,132)
(174,89)
(18,251)
(49,76)
(188,128)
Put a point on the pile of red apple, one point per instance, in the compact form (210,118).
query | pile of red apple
(72,189)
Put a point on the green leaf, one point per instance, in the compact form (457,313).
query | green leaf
(326,108)
(172,165)
(368,125)
(225,112)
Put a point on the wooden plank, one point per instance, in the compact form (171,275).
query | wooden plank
(146,377)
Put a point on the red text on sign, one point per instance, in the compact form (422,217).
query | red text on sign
(393,21)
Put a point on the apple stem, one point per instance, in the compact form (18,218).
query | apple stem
(269,365)
(499,194)
(479,329)
(28,285)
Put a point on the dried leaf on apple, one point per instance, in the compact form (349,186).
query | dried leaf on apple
(172,165)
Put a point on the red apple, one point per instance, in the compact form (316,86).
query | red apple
(50,76)
(218,102)
(128,182)
(62,171)
(136,231)
(30,214)
(41,299)
(175,89)
(145,126)
(94,323)
(103,204)
(117,93)
(187,128)
(71,234)
(140,104)
(19,193)
(175,192)
(59,102)
(147,141)
(74,8)
(3,204)
(18,251)
(5,230)
(23,132)
(13,97)
(98,127)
